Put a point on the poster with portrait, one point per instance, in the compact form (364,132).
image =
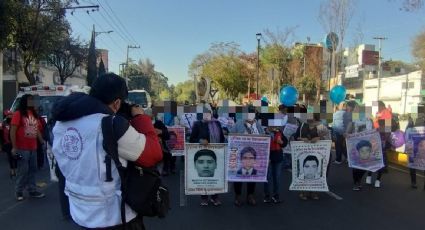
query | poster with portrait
(309,165)
(415,147)
(248,158)
(205,172)
(288,131)
(176,142)
(364,151)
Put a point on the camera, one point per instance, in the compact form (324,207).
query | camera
(125,110)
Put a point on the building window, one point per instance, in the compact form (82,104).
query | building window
(411,85)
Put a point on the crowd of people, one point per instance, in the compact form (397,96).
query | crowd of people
(76,136)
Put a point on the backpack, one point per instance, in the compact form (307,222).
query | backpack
(142,188)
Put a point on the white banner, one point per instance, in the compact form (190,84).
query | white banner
(309,165)
(205,172)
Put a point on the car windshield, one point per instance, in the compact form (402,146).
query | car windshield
(44,104)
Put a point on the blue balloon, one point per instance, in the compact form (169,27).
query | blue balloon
(337,94)
(288,95)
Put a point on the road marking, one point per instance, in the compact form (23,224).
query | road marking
(182,195)
(331,194)
(404,171)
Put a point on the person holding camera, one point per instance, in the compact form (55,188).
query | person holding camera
(94,201)
(24,133)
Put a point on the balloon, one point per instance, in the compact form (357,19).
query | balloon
(288,95)
(397,139)
(337,94)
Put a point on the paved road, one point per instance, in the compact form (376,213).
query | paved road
(394,206)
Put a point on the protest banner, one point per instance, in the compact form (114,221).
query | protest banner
(309,165)
(205,172)
(364,151)
(288,131)
(248,157)
(177,139)
(415,147)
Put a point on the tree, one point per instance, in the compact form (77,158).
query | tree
(418,49)
(37,25)
(67,55)
(335,16)
(185,91)
(411,5)
(92,61)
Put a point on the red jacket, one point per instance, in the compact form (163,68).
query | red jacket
(152,153)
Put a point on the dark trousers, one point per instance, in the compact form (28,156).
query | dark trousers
(63,199)
(340,148)
(413,176)
(250,187)
(358,175)
(205,197)
(169,162)
(134,224)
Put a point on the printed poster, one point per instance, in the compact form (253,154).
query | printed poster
(288,131)
(415,147)
(205,172)
(364,151)
(309,165)
(248,158)
(176,142)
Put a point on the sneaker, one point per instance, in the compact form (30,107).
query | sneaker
(36,194)
(356,188)
(204,202)
(276,199)
(267,199)
(377,184)
(414,186)
(251,200)
(303,196)
(338,162)
(315,196)
(238,201)
(19,196)
(215,202)
(369,180)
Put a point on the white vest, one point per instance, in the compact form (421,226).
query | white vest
(80,155)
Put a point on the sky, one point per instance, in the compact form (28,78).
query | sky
(172,32)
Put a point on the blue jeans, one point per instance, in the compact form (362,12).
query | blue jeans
(25,172)
(274,178)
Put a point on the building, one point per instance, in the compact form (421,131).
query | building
(402,92)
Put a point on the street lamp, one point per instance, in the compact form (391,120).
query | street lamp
(103,32)
(258,36)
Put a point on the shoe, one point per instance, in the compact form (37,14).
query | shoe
(338,162)
(251,200)
(315,196)
(19,196)
(215,202)
(204,202)
(36,194)
(267,199)
(276,199)
(368,180)
(302,196)
(377,184)
(356,188)
(238,201)
(414,186)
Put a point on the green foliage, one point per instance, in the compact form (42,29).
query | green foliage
(184,91)
(306,85)
(418,49)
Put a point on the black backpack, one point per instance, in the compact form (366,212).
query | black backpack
(142,188)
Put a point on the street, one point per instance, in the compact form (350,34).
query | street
(394,206)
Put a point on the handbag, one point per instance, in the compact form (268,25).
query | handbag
(142,188)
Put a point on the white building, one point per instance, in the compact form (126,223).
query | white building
(402,92)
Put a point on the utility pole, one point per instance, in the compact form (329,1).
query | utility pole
(258,35)
(405,92)
(379,63)
(126,62)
